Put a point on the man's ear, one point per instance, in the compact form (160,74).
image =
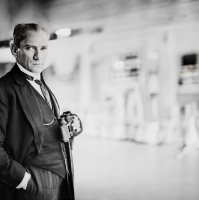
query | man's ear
(13,48)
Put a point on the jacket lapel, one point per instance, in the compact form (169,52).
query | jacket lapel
(29,105)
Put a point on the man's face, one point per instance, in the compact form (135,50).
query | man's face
(32,52)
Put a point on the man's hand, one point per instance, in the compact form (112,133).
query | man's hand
(75,123)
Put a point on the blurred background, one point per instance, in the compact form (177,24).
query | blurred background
(130,70)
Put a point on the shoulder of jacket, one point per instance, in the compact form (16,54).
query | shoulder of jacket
(6,83)
(5,78)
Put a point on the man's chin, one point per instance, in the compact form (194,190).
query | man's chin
(37,68)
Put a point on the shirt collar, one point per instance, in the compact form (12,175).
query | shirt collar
(34,75)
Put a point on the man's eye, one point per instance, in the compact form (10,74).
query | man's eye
(28,48)
(44,48)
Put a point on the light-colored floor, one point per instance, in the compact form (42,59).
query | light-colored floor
(118,170)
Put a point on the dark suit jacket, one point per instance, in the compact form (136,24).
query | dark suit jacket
(20,123)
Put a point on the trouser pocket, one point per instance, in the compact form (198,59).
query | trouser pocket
(43,185)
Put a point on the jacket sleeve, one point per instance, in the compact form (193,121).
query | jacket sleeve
(11,171)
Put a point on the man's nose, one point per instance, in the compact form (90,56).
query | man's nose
(36,55)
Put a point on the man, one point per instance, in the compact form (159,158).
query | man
(34,162)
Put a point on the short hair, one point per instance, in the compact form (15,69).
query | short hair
(20,31)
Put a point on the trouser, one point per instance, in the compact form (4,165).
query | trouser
(43,185)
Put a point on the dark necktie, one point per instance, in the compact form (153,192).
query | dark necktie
(44,92)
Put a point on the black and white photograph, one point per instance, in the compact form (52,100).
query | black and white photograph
(99,99)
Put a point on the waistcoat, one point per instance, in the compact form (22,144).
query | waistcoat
(51,156)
